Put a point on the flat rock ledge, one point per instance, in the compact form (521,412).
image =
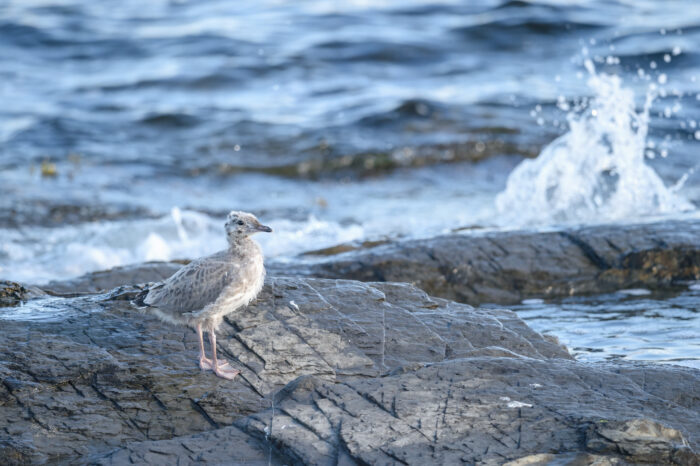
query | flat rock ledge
(333,372)
(507,267)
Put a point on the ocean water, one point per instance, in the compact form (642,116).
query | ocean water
(128,131)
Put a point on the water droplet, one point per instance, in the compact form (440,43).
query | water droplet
(663,78)
(697,135)
(676,50)
(667,58)
(652,65)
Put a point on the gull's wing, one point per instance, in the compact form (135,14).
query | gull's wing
(194,286)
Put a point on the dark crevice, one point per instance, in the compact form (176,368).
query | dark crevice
(370,399)
(392,456)
(587,250)
(155,398)
(196,406)
(77,390)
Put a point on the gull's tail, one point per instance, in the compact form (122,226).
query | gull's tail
(138,301)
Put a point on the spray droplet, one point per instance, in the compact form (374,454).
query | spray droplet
(676,50)
(663,78)
(667,58)
(697,135)
(652,65)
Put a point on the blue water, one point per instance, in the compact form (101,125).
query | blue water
(641,326)
(128,129)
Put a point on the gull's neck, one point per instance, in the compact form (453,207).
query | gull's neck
(240,243)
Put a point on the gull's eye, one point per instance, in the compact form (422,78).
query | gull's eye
(240,222)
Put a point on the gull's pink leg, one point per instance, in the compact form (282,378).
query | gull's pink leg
(204,362)
(220,368)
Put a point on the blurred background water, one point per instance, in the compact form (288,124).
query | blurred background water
(128,129)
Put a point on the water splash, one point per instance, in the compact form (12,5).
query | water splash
(596,171)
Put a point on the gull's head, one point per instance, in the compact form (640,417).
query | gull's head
(242,224)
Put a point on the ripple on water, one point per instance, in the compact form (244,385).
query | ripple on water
(623,326)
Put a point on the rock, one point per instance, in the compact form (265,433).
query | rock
(13,294)
(641,440)
(227,444)
(549,459)
(333,371)
(480,410)
(507,267)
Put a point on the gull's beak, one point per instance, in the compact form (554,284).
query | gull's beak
(264,228)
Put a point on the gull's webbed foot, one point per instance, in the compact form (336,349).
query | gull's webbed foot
(226,371)
(207,364)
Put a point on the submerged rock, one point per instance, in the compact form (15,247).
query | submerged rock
(507,267)
(333,371)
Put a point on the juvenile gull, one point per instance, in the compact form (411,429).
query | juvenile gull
(200,294)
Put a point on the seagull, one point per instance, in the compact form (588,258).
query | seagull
(200,294)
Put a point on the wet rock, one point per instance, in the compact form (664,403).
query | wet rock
(506,267)
(332,371)
(13,294)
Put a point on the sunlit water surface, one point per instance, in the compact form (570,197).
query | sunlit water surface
(630,325)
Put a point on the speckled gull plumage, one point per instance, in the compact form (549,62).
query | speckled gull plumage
(200,294)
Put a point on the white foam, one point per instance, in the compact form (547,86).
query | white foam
(39,255)
(596,171)
(635,291)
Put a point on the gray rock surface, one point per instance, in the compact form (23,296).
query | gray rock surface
(333,372)
(506,267)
